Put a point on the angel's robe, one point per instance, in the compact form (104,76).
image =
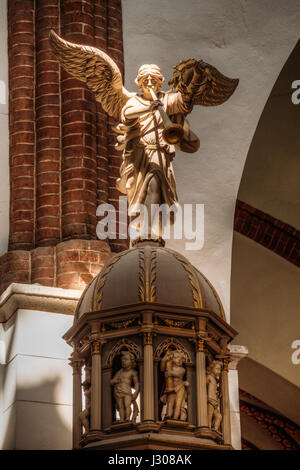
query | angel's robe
(146,154)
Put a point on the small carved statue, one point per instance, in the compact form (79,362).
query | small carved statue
(213,394)
(175,393)
(86,413)
(151,123)
(122,382)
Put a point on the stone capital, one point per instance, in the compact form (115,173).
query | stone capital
(199,344)
(96,346)
(76,364)
(237,353)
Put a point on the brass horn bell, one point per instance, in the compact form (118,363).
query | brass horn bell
(173,134)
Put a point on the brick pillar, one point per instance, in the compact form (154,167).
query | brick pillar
(21,61)
(100,26)
(47,127)
(114,50)
(63,162)
(15,267)
(79,167)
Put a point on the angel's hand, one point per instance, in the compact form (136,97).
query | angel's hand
(154,105)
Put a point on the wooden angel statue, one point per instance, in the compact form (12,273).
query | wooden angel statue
(122,383)
(152,123)
(85,414)
(213,394)
(175,392)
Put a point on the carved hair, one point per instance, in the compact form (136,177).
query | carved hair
(176,351)
(130,355)
(212,364)
(149,69)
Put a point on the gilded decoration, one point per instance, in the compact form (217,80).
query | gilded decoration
(148,339)
(120,324)
(98,291)
(96,347)
(123,344)
(177,324)
(169,344)
(147,274)
(225,365)
(199,343)
(194,282)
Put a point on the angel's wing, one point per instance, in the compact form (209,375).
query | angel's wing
(206,85)
(96,69)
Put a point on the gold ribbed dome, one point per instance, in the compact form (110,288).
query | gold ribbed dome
(149,273)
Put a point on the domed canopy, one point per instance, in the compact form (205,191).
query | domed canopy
(149,273)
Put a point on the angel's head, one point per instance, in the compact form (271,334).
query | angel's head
(127,360)
(215,368)
(149,76)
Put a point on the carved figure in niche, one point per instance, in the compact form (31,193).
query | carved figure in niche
(175,393)
(213,394)
(122,383)
(86,413)
(151,123)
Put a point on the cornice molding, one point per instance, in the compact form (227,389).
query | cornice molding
(37,297)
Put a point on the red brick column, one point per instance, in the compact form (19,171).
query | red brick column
(100,26)
(114,50)
(48,155)
(78,261)
(21,60)
(62,157)
(79,167)
(15,267)
(43,266)
(70,265)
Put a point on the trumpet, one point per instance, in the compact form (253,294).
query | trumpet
(172,133)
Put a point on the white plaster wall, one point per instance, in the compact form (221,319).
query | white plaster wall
(244,39)
(4,162)
(36,392)
(265,307)
(234,401)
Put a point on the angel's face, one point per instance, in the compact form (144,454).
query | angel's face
(148,82)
